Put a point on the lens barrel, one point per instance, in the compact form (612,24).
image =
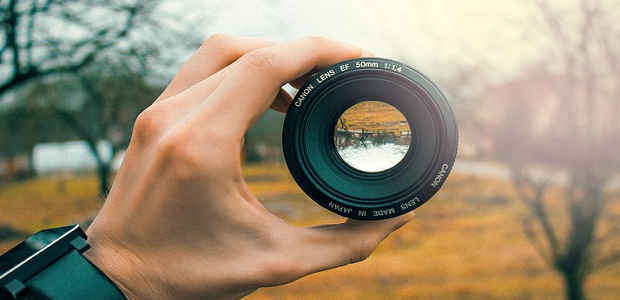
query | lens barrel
(316,166)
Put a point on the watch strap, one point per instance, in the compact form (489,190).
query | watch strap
(73,277)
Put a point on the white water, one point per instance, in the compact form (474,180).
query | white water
(370,158)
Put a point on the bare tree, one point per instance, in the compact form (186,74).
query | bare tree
(82,46)
(101,102)
(562,139)
(34,41)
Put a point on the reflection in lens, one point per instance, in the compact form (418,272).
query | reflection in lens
(372,136)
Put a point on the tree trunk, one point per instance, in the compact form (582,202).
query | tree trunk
(103,168)
(103,171)
(574,286)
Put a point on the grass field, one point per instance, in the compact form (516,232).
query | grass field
(466,243)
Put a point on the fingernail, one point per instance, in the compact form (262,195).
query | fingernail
(367,53)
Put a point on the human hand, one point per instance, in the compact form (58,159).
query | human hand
(180,221)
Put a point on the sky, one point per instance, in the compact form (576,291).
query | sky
(433,36)
(430,35)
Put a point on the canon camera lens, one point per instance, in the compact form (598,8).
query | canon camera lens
(370,138)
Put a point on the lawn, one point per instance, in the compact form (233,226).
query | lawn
(466,243)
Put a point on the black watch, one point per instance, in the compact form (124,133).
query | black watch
(49,265)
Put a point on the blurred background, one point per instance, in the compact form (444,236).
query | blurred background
(531,210)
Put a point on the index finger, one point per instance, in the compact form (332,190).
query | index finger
(253,81)
(215,53)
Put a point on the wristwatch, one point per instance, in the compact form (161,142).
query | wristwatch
(49,265)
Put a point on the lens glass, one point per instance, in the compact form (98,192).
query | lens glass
(372,136)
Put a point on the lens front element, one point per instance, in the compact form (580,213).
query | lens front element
(372,136)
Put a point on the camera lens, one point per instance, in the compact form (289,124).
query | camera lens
(369,138)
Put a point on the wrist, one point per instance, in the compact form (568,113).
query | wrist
(137,272)
(106,266)
(117,263)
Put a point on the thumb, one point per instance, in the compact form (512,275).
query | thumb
(332,246)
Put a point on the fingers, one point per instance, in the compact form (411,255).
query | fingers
(254,80)
(217,52)
(328,247)
(297,83)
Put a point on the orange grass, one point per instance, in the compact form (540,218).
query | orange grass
(41,203)
(466,243)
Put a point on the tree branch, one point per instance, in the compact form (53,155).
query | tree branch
(11,34)
(553,22)
(536,241)
(604,261)
(105,38)
(535,203)
(30,33)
